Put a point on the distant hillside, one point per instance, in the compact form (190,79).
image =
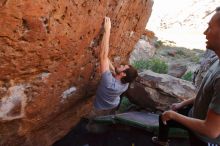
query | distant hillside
(182,21)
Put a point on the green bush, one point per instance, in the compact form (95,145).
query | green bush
(181,52)
(158,66)
(158,43)
(155,64)
(195,59)
(125,104)
(188,76)
(140,64)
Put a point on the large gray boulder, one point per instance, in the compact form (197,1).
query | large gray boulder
(158,91)
(177,70)
(142,50)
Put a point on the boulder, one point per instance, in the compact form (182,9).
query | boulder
(171,53)
(158,91)
(49,62)
(177,70)
(142,50)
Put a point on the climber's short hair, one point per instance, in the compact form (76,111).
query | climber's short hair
(131,74)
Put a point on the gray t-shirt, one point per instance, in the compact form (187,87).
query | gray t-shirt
(208,97)
(108,92)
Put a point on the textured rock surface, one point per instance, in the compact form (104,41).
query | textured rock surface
(177,70)
(158,91)
(144,48)
(48,55)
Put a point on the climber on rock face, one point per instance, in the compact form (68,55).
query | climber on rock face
(113,83)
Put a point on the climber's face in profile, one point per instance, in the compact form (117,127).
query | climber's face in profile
(212,33)
(121,68)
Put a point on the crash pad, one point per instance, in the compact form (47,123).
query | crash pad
(144,120)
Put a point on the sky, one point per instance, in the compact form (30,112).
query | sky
(182,21)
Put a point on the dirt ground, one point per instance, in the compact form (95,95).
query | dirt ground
(116,135)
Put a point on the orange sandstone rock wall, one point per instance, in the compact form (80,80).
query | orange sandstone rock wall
(49,61)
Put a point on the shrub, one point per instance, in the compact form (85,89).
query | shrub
(188,76)
(140,64)
(181,52)
(155,64)
(195,59)
(158,66)
(158,44)
(125,104)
